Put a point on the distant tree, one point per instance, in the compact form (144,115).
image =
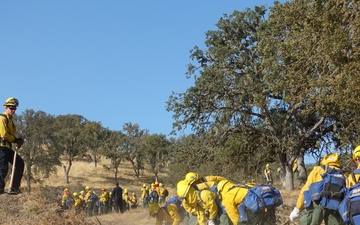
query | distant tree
(156,149)
(94,133)
(131,146)
(112,148)
(38,153)
(69,138)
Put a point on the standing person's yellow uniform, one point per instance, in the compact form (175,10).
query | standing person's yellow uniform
(268,174)
(198,202)
(77,202)
(7,137)
(354,176)
(126,199)
(315,214)
(104,201)
(65,198)
(87,195)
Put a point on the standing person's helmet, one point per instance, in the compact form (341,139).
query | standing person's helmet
(11,102)
(191,177)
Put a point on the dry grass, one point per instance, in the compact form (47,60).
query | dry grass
(40,206)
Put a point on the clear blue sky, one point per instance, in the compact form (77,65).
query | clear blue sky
(111,61)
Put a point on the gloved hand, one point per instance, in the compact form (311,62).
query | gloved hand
(211,222)
(294,214)
(19,142)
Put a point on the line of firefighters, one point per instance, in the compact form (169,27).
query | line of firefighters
(213,200)
(118,199)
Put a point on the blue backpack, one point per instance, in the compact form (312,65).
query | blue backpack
(349,208)
(262,196)
(329,191)
(153,197)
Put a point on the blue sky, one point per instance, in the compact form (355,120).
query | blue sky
(110,61)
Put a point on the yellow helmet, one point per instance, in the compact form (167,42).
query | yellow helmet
(356,153)
(87,188)
(75,194)
(81,192)
(267,165)
(182,189)
(144,185)
(11,102)
(134,194)
(331,160)
(126,191)
(66,189)
(161,185)
(191,177)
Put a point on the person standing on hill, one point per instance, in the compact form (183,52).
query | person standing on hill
(7,135)
(354,176)
(268,174)
(116,195)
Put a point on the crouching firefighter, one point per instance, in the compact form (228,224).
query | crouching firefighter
(322,194)
(247,203)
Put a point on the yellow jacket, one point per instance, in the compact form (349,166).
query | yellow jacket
(144,192)
(215,179)
(231,198)
(104,196)
(351,180)
(170,214)
(77,202)
(161,191)
(7,130)
(205,185)
(197,203)
(87,196)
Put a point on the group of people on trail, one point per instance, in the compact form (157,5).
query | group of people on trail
(87,201)
(330,195)
(217,200)
(155,192)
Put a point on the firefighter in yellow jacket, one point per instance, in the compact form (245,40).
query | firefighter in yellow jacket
(144,192)
(195,179)
(198,203)
(162,192)
(104,201)
(316,214)
(354,176)
(169,213)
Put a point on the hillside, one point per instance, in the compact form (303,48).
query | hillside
(41,205)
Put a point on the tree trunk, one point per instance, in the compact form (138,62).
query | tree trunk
(67,170)
(301,170)
(288,182)
(28,178)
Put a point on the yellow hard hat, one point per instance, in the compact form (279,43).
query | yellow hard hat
(144,185)
(356,153)
(267,165)
(87,188)
(182,188)
(66,189)
(161,185)
(191,177)
(133,194)
(75,194)
(331,160)
(11,102)
(81,192)
(156,182)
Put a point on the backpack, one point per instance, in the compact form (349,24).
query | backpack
(153,197)
(263,196)
(349,208)
(329,191)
